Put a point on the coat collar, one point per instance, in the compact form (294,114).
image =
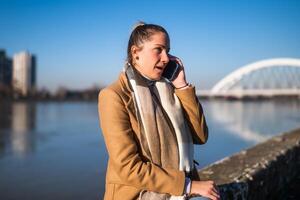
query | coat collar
(125,83)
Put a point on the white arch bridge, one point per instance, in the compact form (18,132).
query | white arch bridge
(266,78)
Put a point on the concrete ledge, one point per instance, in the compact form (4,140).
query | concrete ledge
(260,172)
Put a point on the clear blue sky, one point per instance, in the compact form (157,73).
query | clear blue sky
(82,43)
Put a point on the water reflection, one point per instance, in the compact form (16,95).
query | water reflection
(59,149)
(51,150)
(17,125)
(256,121)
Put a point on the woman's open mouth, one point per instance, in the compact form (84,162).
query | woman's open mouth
(159,68)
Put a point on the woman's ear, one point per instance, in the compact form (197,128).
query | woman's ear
(134,52)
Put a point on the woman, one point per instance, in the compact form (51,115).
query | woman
(150,124)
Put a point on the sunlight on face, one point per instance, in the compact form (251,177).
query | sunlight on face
(153,56)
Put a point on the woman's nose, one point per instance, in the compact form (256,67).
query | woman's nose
(165,57)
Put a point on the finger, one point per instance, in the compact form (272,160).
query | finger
(171,57)
(179,62)
(210,196)
(216,190)
(216,195)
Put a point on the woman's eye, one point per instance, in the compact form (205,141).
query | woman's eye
(159,50)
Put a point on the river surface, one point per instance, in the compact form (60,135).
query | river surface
(55,150)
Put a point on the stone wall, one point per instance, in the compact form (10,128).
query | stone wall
(260,172)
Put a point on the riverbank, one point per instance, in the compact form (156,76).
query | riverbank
(262,172)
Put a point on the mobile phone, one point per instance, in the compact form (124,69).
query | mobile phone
(171,71)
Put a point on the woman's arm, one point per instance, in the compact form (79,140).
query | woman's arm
(123,151)
(191,105)
(194,114)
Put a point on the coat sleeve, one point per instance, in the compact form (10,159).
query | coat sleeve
(194,114)
(123,150)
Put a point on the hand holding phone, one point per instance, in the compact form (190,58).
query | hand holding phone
(172,70)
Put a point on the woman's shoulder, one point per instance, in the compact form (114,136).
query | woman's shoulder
(119,88)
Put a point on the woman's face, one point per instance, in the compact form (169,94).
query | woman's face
(152,57)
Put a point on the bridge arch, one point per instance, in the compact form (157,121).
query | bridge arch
(289,66)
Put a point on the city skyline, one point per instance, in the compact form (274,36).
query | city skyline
(18,74)
(83,43)
(24,72)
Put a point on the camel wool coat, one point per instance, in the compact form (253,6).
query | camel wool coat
(129,171)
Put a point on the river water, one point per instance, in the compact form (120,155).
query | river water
(55,150)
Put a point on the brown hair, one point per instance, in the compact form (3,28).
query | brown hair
(142,32)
